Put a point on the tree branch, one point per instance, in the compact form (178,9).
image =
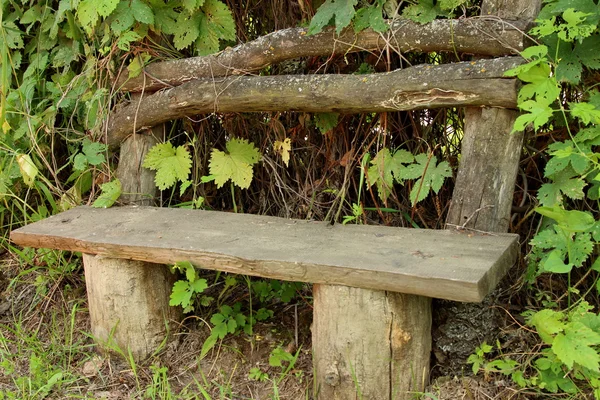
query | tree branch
(482,36)
(478,83)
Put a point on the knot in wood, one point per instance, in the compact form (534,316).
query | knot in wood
(332,376)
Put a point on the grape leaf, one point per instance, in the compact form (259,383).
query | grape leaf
(186,29)
(235,164)
(110,193)
(573,346)
(342,10)
(171,164)
(216,23)
(142,12)
(122,18)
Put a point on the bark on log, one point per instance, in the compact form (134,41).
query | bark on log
(127,304)
(425,86)
(137,182)
(129,300)
(370,344)
(485,36)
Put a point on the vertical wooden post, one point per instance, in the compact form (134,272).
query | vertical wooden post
(370,344)
(129,300)
(483,193)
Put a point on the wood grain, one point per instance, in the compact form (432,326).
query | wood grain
(445,264)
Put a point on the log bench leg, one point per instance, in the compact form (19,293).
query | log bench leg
(371,342)
(129,304)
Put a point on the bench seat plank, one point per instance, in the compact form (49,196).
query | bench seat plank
(448,264)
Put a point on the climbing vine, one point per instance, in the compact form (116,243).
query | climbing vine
(561,91)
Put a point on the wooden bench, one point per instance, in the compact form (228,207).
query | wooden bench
(126,307)
(372,284)
(447,264)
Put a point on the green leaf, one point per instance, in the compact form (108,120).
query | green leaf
(564,154)
(235,164)
(110,193)
(573,346)
(216,24)
(209,343)
(192,5)
(126,39)
(384,167)
(326,121)
(142,12)
(430,174)
(570,220)
(342,10)
(423,12)
(171,164)
(451,5)
(181,295)
(370,17)
(538,114)
(575,28)
(586,112)
(28,169)
(547,323)
(580,248)
(555,263)
(122,18)
(92,154)
(13,37)
(137,64)
(186,29)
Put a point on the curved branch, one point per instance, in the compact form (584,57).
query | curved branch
(483,36)
(478,83)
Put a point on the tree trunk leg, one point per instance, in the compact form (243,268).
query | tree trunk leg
(129,300)
(370,344)
(129,304)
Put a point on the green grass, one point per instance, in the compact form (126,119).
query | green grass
(47,351)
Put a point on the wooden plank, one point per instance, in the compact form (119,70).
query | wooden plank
(446,264)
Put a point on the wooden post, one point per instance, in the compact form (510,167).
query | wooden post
(370,344)
(482,198)
(129,300)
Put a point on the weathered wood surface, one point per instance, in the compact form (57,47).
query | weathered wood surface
(480,83)
(484,36)
(379,257)
(137,183)
(129,304)
(371,341)
(483,193)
